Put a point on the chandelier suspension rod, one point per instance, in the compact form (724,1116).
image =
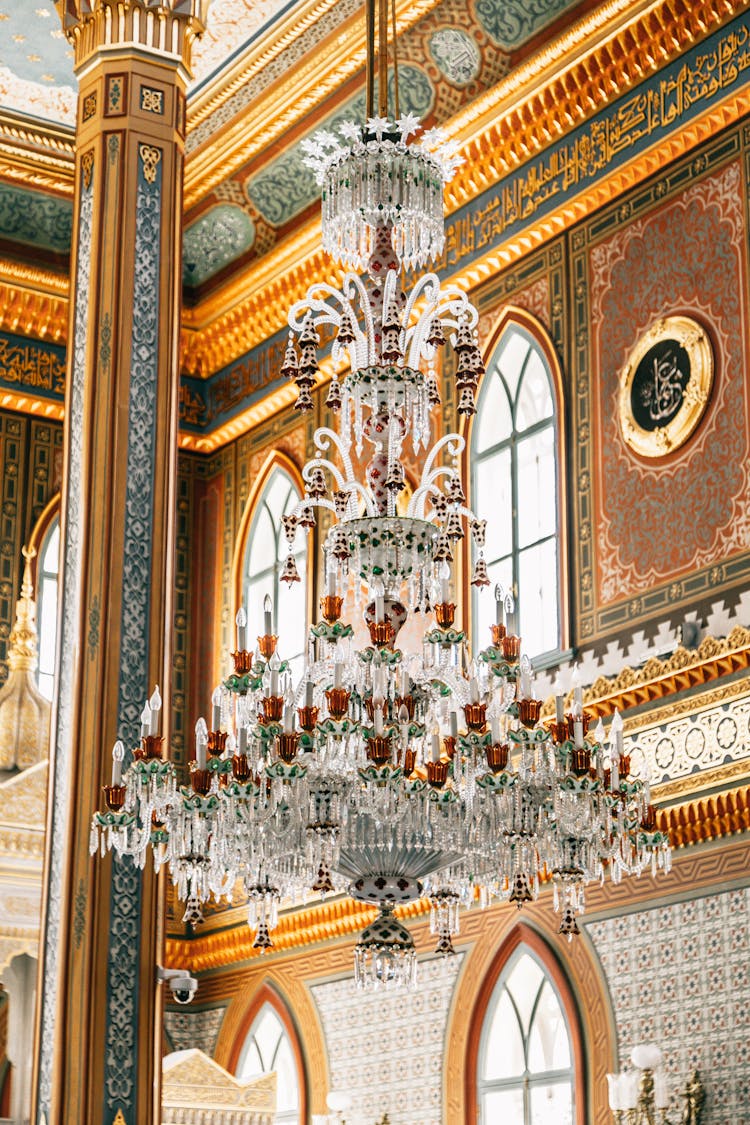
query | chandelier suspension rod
(383,58)
(396,109)
(369,73)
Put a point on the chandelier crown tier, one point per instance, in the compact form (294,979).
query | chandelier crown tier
(397,765)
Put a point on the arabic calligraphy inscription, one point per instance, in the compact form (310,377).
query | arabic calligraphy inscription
(665,386)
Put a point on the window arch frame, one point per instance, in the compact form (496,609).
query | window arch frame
(524,935)
(38,540)
(266,994)
(276,459)
(514,316)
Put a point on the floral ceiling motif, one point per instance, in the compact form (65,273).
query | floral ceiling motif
(36,61)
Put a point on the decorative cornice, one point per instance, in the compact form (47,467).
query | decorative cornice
(582,72)
(683,670)
(41,314)
(698,821)
(285,103)
(258,301)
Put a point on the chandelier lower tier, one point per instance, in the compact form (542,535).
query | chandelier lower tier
(388,771)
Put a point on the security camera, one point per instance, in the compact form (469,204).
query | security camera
(182,986)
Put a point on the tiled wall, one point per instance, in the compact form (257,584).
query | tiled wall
(679,975)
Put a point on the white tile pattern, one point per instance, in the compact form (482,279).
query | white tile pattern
(387,1051)
(679,976)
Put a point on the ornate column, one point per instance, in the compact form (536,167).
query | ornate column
(99,1025)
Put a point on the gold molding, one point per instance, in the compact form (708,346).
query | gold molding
(683,407)
(258,301)
(285,102)
(679,672)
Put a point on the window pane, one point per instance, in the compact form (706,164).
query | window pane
(502,1106)
(493,501)
(549,1048)
(537,492)
(266,552)
(287,1093)
(552,1105)
(51,556)
(524,981)
(250,1064)
(47,626)
(537,596)
(503,1049)
(535,394)
(493,414)
(514,347)
(261,545)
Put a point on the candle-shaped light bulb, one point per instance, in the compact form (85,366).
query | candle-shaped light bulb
(499,604)
(661,1089)
(616,728)
(445,582)
(267,615)
(599,732)
(274,664)
(403,722)
(453,719)
(155,705)
(435,746)
(575,681)
(241,623)
(526,684)
(379,592)
(510,615)
(118,753)
(474,690)
(201,741)
(404,682)
(216,709)
(145,721)
(559,700)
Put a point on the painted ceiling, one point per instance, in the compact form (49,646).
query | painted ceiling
(36,61)
(452,54)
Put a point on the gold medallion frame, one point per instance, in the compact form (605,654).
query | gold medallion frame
(666,439)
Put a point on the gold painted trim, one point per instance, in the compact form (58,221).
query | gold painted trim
(263,294)
(690,401)
(284,103)
(679,672)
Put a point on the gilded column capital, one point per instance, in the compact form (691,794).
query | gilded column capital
(164,27)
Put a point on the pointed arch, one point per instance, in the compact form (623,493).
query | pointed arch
(260,551)
(551,986)
(266,998)
(515,468)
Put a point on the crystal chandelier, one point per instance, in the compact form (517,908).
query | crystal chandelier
(385,773)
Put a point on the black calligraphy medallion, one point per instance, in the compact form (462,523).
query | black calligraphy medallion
(665,386)
(659,384)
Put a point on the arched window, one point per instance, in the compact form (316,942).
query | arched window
(525,1066)
(265,553)
(514,486)
(46,600)
(266,1048)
